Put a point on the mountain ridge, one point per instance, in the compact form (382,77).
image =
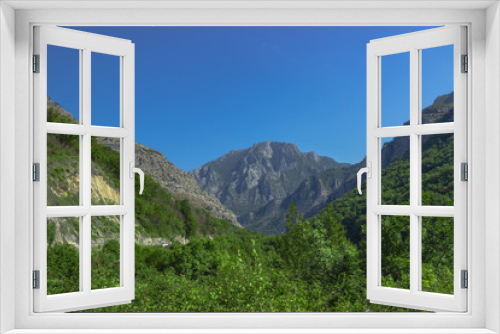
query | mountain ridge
(174,180)
(247,179)
(232,176)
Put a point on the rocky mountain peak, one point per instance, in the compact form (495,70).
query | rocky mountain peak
(57,107)
(258,183)
(446,99)
(249,178)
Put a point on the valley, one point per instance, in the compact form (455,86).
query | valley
(262,229)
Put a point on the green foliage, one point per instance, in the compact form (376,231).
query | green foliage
(62,269)
(191,222)
(396,182)
(51,232)
(56,117)
(319,265)
(157,213)
(106,265)
(437,170)
(396,251)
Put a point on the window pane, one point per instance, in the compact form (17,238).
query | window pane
(63,84)
(395,89)
(105,252)
(395,171)
(63,171)
(437,84)
(63,258)
(437,170)
(105,171)
(105,90)
(396,252)
(437,254)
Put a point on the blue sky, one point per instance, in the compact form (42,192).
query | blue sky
(204,91)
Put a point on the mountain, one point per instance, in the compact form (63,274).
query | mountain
(260,182)
(321,261)
(174,180)
(51,104)
(441,110)
(160,215)
(247,180)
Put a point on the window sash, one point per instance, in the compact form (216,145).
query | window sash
(413,43)
(87,43)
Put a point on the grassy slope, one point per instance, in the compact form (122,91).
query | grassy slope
(157,214)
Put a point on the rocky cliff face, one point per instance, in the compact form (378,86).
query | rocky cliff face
(175,181)
(266,173)
(56,106)
(440,111)
(312,194)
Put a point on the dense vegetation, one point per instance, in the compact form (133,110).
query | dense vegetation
(319,265)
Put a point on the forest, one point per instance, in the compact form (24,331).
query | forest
(318,265)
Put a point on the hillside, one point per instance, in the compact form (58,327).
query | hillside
(317,265)
(160,216)
(312,194)
(174,180)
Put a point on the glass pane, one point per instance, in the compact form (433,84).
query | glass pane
(105,252)
(105,171)
(395,89)
(437,84)
(63,170)
(105,90)
(63,257)
(63,84)
(437,254)
(395,170)
(396,252)
(437,170)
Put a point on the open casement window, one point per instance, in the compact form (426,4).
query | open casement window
(70,214)
(420,219)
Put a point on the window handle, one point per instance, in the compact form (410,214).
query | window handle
(141,176)
(368,171)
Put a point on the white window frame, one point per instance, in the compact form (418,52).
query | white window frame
(414,43)
(85,44)
(483,20)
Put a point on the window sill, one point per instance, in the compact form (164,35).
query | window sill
(250,331)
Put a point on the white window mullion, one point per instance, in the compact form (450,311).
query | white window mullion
(406,210)
(85,228)
(414,172)
(85,254)
(81,219)
(373,246)
(417,230)
(433,128)
(422,129)
(127,120)
(86,172)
